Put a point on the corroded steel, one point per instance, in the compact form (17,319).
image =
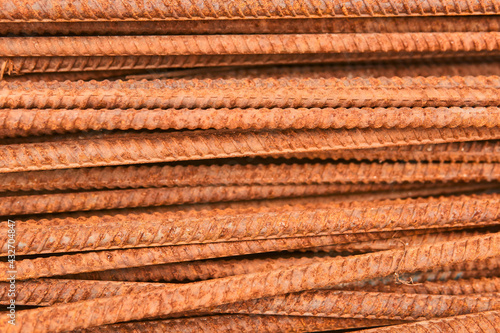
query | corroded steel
(137,148)
(215,292)
(475,151)
(22,65)
(433,67)
(261,26)
(401,242)
(100,10)
(249,44)
(160,229)
(321,303)
(360,304)
(219,268)
(71,76)
(23,122)
(108,260)
(488,321)
(239,323)
(152,197)
(46,292)
(247,174)
(197,270)
(256,93)
(450,287)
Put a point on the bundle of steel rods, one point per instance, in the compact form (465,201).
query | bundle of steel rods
(249,166)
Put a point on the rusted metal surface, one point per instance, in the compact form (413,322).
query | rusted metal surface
(99,10)
(117,259)
(401,242)
(198,270)
(476,151)
(354,304)
(152,197)
(257,93)
(46,292)
(248,174)
(219,268)
(220,291)
(71,76)
(279,166)
(434,275)
(248,44)
(157,229)
(266,324)
(488,321)
(23,122)
(319,303)
(261,26)
(452,287)
(459,67)
(22,65)
(63,153)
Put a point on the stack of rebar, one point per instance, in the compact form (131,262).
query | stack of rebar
(255,166)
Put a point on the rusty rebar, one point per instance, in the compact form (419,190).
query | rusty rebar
(249,44)
(196,270)
(450,287)
(477,322)
(401,242)
(73,76)
(99,10)
(432,67)
(207,269)
(255,93)
(435,275)
(157,229)
(60,153)
(153,197)
(247,174)
(475,151)
(242,323)
(23,65)
(117,259)
(391,192)
(360,304)
(46,292)
(23,122)
(261,26)
(319,303)
(216,292)
(219,268)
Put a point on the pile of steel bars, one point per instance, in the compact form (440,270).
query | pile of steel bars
(249,166)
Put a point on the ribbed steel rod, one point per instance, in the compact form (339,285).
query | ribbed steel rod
(248,174)
(135,148)
(23,122)
(471,66)
(240,323)
(451,287)
(488,321)
(174,228)
(260,26)
(120,259)
(22,65)
(149,197)
(475,151)
(219,268)
(255,93)
(354,304)
(249,44)
(99,10)
(216,292)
